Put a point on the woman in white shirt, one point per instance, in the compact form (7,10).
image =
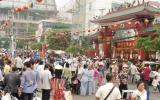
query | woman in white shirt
(140,93)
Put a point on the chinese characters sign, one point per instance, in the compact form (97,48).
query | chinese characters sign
(124,44)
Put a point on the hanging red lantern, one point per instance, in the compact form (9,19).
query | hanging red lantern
(109,27)
(137,23)
(19,9)
(146,21)
(39,1)
(8,20)
(103,27)
(16,9)
(6,23)
(129,23)
(89,30)
(25,7)
(115,26)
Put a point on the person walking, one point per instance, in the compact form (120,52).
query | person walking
(28,83)
(74,67)
(139,93)
(146,76)
(101,74)
(19,63)
(123,81)
(84,81)
(90,80)
(108,91)
(46,82)
(114,69)
(7,67)
(133,70)
(12,81)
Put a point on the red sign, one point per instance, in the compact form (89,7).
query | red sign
(44,49)
(124,44)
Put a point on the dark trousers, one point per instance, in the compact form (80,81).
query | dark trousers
(146,84)
(45,94)
(159,86)
(16,95)
(27,96)
(123,87)
(73,72)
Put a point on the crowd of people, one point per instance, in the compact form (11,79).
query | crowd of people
(24,77)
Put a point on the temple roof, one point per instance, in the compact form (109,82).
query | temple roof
(128,13)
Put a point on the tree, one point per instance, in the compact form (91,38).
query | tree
(19,44)
(74,49)
(36,46)
(4,43)
(30,27)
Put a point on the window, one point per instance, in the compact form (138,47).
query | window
(90,6)
(89,23)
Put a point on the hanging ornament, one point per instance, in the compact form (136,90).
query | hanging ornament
(39,1)
(31,5)
(89,30)
(129,23)
(137,23)
(6,23)
(8,20)
(103,27)
(16,9)
(115,26)
(146,21)
(109,27)
(19,9)
(25,7)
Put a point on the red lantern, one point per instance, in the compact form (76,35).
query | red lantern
(8,20)
(137,23)
(25,7)
(6,23)
(39,1)
(16,9)
(89,30)
(103,27)
(109,27)
(115,26)
(129,23)
(19,9)
(128,32)
(146,21)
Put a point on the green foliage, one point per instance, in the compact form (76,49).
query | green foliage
(74,49)
(60,25)
(19,44)
(30,27)
(156,43)
(4,43)
(36,46)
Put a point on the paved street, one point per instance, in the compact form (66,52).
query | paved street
(154,96)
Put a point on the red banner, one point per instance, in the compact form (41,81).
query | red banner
(44,49)
(124,44)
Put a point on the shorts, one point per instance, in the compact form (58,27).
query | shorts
(154,88)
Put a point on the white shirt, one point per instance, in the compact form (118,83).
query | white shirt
(133,69)
(74,66)
(143,96)
(19,63)
(105,89)
(40,69)
(46,76)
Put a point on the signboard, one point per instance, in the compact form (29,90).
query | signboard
(44,49)
(124,44)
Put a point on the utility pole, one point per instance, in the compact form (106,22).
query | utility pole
(11,33)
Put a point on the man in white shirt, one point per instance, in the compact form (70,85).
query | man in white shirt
(104,90)
(73,67)
(47,83)
(19,63)
(133,70)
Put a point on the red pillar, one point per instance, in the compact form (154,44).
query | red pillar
(141,54)
(97,49)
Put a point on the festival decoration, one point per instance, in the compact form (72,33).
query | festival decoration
(115,26)
(109,27)
(16,9)
(39,1)
(146,21)
(129,23)
(103,27)
(89,30)
(25,7)
(19,9)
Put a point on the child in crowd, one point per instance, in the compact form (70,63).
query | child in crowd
(155,83)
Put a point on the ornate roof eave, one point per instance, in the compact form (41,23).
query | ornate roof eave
(127,13)
(93,36)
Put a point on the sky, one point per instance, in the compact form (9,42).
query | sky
(61,3)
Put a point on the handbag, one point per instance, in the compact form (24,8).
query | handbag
(109,93)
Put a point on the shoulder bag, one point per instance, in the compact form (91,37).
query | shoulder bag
(109,93)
